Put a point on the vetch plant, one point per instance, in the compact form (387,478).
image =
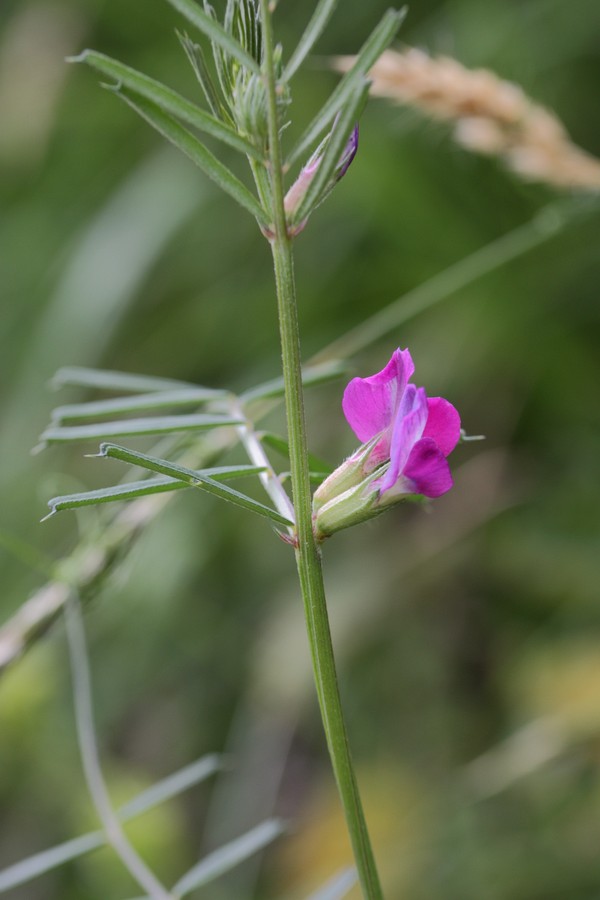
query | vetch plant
(406,436)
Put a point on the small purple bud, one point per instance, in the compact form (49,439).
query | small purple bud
(349,153)
(297,192)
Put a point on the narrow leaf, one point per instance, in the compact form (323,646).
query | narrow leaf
(167,99)
(136,403)
(130,490)
(130,427)
(279,444)
(312,33)
(337,888)
(230,855)
(197,61)
(189,476)
(163,790)
(322,181)
(195,150)
(311,375)
(373,47)
(215,32)
(229,16)
(224,71)
(42,862)
(106,380)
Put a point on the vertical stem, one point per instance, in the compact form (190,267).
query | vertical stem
(307,553)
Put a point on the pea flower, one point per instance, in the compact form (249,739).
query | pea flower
(406,438)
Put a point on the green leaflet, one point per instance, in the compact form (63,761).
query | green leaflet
(130,490)
(168,100)
(312,33)
(373,47)
(107,380)
(215,32)
(189,476)
(195,150)
(317,465)
(195,56)
(132,404)
(130,427)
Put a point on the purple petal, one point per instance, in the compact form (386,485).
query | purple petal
(411,417)
(348,153)
(370,404)
(428,469)
(443,424)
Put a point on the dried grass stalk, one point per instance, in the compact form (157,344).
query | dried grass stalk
(490,115)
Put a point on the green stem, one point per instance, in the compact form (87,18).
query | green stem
(307,552)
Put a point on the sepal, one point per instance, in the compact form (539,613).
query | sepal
(353,506)
(352,473)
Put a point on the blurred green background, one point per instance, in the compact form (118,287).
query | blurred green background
(468,639)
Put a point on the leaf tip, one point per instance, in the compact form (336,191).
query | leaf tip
(78,58)
(102,452)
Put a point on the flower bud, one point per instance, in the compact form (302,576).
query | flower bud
(294,197)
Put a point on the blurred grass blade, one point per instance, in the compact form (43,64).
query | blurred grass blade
(214,32)
(337,888)
(189,476)
(229,856)
(171,786)
(36,865)
(165,98)
(132,489)
(131,427)
(311,375)
(107,380)
(312,33)
(196,151)
(546,224)
(322,181)
(132,404)
(379,40)
(281,446)
(163,790)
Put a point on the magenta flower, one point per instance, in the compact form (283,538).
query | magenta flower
(416,433)
(406,438)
